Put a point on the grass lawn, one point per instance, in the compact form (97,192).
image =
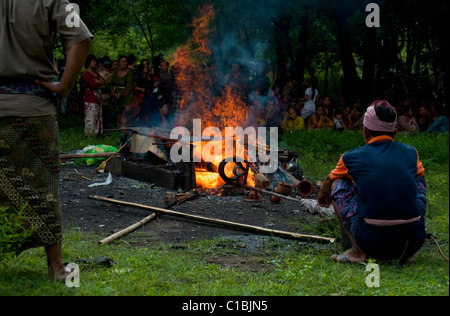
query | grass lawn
(283,268)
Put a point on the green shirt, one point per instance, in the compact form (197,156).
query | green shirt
(122,85)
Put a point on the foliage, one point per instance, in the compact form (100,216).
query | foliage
(324,38)
(13,231)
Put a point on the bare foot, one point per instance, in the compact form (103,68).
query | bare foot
(352,255)
(59,273)
(411,259)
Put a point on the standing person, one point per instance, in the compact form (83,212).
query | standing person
(311,98)
(29,140)
(93,117)
(166,81)
(115,65)
(106,92)
(121,85)
(378,193)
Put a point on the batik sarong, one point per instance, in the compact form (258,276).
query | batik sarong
(29,175)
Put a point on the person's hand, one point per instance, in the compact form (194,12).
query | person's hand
(324,196)
(324,199)
(55,87)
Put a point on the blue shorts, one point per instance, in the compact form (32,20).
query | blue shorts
(382,242)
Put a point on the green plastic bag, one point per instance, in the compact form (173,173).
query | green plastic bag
(95,149)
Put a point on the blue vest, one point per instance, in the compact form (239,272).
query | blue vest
(384,173)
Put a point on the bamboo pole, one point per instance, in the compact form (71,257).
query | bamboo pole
(266,192)
(69,156)
(247,227)
(128,230)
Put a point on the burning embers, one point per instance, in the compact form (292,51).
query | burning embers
(211,157)
(235,152)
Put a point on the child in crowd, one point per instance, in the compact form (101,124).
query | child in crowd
(339,124)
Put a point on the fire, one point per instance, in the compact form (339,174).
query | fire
(193,84)
(207,179)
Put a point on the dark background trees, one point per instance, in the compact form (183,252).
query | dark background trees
(407,54)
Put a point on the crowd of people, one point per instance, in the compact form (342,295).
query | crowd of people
(121,92)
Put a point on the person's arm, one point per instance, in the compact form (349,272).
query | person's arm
(312,122)
(341,171)
(76,57)
(90,81)
(324,196)
(283,123)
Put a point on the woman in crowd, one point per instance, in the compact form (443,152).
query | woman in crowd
(121,85)
(423,118)
(93,118)
(328,109)
(319,120)
(407,122)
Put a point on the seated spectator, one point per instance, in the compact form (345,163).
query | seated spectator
(319,119)
(407,122)
(423,118)
(327,107)
(441,125)
(353,121)
(292,121)
(339,124)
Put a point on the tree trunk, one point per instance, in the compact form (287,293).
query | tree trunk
(370,49)
(350,82)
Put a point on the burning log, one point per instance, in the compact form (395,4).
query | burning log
(261,181)
(246,227)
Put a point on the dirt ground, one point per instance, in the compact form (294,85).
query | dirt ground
(81,212)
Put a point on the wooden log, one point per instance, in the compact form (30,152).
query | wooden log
(128,230)
(71,156)
(246,227)
(266,192)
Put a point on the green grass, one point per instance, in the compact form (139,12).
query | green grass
(281,268)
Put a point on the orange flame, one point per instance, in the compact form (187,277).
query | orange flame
(194,82)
